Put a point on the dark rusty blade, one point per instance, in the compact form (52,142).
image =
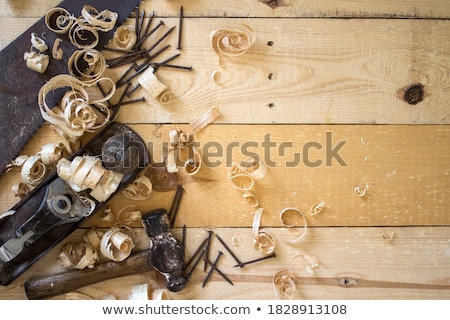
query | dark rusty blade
(20,117)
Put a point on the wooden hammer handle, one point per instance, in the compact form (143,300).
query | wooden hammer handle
(53,285)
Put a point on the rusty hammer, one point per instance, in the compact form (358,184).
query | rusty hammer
(165,255)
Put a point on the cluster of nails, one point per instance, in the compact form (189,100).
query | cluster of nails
(142,58)
(203,253)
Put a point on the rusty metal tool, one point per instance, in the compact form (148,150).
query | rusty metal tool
(165,255)
(53,209)
(19,86)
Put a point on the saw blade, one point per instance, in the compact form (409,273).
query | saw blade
(20,117)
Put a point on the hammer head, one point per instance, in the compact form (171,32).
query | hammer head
(166,254)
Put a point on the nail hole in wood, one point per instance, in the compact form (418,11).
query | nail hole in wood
(271,105)
(270,76)
(270,43)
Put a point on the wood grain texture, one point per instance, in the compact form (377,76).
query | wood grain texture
(415,259)
(310,73)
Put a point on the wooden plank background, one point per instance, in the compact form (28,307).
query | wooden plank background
(309,73)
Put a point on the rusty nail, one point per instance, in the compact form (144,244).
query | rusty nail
(160,39)
(197,261)
(208,245)
(145,37)
(175,204)
(200,247)
(229,250)
(273,255)
(141,99)
(213,267)
(180,28)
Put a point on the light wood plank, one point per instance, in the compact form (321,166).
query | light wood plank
(311,73)
(255,8)
(406,168)
(300,8)
(416,255)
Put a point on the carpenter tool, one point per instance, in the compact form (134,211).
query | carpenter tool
(53,209)
(19,86)
(165,255)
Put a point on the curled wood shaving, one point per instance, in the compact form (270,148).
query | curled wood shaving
(20,189)
(139,189)
(87,65)
(127,215)
(233,42)
(312,262)
(204,120)
(17,162)
(36,61)
(106,214)
(254,167)
(361,189)
(263,240)
(33,170)
(251,198)
(148,291)
(241,181)
(58,20)
(296,211)
(51,153)
(192,165)
(150,82)
(124,38)
(57,52)
(87,173)
(75,115)
(103,21)
(80,256)
(82,35)
(388,236)
(38,43)
(93,236)
(317,208)
(116,244)
(284,284)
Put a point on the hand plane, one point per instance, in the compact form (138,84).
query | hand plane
(54,208)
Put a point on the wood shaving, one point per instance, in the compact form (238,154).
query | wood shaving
(57,52)
(251,198)
(361,189)
(59,20)
(38,43)
(295,211)
(148,291)
(93,236)
(388,236)
(116,244)
(263,240)
(150,82)
(139,189)
(103,21)
(36,61)
(33,170)
(128,215)
(284,284)
(254,167)
(317,208)
(312,262)
(75,115)
(204,120)
(87,65)
(232,42)
(78,256)
(192,165)
(82,35)
(20,189)
(87,173)
(17,162)
(124,38)
(106,214)
(51,153)
(241,181)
